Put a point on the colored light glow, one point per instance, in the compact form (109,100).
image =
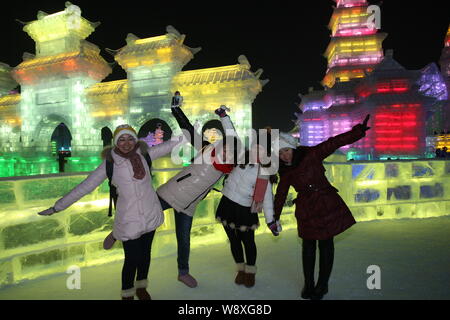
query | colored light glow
(108,113)
(383,147)
(354,43)
(355,32)
(393,86)
(432,83)
(345,61)
(401,124)
(88,62)
(397,138)
(395,117)
(350,3)
(151,39)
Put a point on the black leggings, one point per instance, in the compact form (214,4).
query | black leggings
(137,259)
(237,238)
(326,257)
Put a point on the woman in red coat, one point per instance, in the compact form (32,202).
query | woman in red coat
(320,212)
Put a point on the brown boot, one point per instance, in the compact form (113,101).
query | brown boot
(143,294)
(141,290)
(240,273)
(249,278)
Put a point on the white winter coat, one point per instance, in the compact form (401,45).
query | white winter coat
(240,186)
(138,209)
(186,189)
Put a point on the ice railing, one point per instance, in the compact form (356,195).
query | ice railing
(33,246)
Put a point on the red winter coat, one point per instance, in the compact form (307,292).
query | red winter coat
(320,211)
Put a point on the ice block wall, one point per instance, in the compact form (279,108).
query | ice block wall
(32,246)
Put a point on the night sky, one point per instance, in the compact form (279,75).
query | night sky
(287,40)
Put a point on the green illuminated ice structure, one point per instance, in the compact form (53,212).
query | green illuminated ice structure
(32,246)
(61,83)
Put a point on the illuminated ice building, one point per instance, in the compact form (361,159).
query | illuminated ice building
(409,108)
(61,90)
(61,83)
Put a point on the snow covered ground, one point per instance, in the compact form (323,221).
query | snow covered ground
(413,256)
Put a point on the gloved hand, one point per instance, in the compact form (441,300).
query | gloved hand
(275,227)
(257,206)
(364,124)
(47,212)
(222,111)
(177,100)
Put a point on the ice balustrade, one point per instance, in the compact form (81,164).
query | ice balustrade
(33,246)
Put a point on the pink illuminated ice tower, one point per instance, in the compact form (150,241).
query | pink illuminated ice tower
(355,45)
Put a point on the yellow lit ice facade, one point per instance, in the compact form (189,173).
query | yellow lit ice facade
(108,100)
(59,32)
(206,89)
(352,57)
(350,20)
(155,51)
(33,246)
(442,140)
(355,50)
(61,83)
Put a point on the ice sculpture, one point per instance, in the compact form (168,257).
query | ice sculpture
(61,83)
(34,246)
(355,46)
(409,108)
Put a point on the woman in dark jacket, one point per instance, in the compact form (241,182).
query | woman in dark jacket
(320,212)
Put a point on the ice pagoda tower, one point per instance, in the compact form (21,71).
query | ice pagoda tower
(407,107)
(355,46)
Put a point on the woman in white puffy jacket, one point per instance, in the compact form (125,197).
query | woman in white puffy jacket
(138,210)
(246,191)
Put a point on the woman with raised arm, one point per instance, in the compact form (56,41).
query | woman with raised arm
(186,189)
(320,211)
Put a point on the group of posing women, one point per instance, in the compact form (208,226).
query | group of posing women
(321,213)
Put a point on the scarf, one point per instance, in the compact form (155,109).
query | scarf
(225,168)
(260,190)
(136,162)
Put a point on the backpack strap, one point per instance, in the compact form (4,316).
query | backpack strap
(149,162)
(112,188)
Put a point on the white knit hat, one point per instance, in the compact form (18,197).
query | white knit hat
(287,141)
(124,129)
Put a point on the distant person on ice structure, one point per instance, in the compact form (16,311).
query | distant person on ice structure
(321,213)
(138,211)
(185,190)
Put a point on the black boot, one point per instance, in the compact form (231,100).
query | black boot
(309,261)
(308,291)
(319,292)
(326,257)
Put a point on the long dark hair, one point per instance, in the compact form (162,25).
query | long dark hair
(297,156)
